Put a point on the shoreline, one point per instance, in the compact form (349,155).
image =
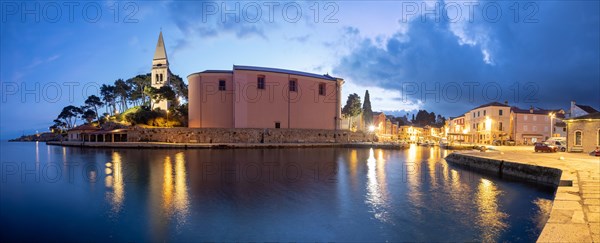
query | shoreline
(162,145)
(575,212)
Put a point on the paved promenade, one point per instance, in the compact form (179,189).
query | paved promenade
(575,215)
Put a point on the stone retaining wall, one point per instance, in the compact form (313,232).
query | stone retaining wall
(244,135)
(533,173)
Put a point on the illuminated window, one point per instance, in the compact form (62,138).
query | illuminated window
(322,90)
(293,85)
(578,135)
(260,82)
(221,85)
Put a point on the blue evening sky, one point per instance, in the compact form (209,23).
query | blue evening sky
(443,56)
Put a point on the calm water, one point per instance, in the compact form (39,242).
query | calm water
(314,194)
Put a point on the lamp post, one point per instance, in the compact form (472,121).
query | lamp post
(551,118)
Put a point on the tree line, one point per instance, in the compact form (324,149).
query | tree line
(353,108)
(120,96)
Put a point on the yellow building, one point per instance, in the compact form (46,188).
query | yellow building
(583,133)
(488,122)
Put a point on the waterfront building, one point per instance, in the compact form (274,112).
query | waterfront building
(488,122)
(78,133)
(583,133)
(534,124)
(457,131)
(161,73)
(262,97)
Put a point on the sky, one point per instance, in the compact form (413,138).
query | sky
(442,56)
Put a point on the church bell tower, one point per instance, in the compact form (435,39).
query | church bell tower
(160,71)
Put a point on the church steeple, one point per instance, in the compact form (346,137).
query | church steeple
(160,71)
(160,52)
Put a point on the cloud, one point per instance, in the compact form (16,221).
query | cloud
(529,63)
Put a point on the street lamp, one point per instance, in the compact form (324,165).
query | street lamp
(551,118)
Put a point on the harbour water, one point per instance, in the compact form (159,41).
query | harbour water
(289,194)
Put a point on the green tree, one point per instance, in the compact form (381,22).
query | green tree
(108,96)
(69,115)
(94,102)
(122,91)
(89,115)
(179,87)
(138,84)
(352,108)
(366,110)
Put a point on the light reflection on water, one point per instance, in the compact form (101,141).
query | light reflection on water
(375,195)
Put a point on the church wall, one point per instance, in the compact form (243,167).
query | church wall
(210,107)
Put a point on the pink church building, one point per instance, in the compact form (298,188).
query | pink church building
(259,97)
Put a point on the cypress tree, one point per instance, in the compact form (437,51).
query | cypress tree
(366,110)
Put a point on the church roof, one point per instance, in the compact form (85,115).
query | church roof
(161,52)
(277,70)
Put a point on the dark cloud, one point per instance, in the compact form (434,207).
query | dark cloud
(544,64)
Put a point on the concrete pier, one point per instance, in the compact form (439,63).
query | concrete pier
(575,214)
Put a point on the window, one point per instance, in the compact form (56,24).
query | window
(578,135)
(221,85)
(161,77)
(598,138)
(484,112)
(500,126)
(293,86)
(473,114)
(478,114)
(564,129)
(322,90)
(260,82)
(156,78)
(277,124)
(500,112)
(525,128)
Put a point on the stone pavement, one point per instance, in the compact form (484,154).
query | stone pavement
(575,215)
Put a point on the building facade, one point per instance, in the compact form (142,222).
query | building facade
(488,122)
(583,133)
(258,97)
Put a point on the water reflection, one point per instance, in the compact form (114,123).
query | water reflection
(490,219)
(175,195)
(114,180)
(377,196)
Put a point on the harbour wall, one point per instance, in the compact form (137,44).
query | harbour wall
(532,173)
(245,135)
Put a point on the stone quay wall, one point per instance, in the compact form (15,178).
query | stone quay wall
(245,135)
(532,173)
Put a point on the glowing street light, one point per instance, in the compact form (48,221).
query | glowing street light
(371,128)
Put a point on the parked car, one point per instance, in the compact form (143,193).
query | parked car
(561,145)
(545,147)
(511,142)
